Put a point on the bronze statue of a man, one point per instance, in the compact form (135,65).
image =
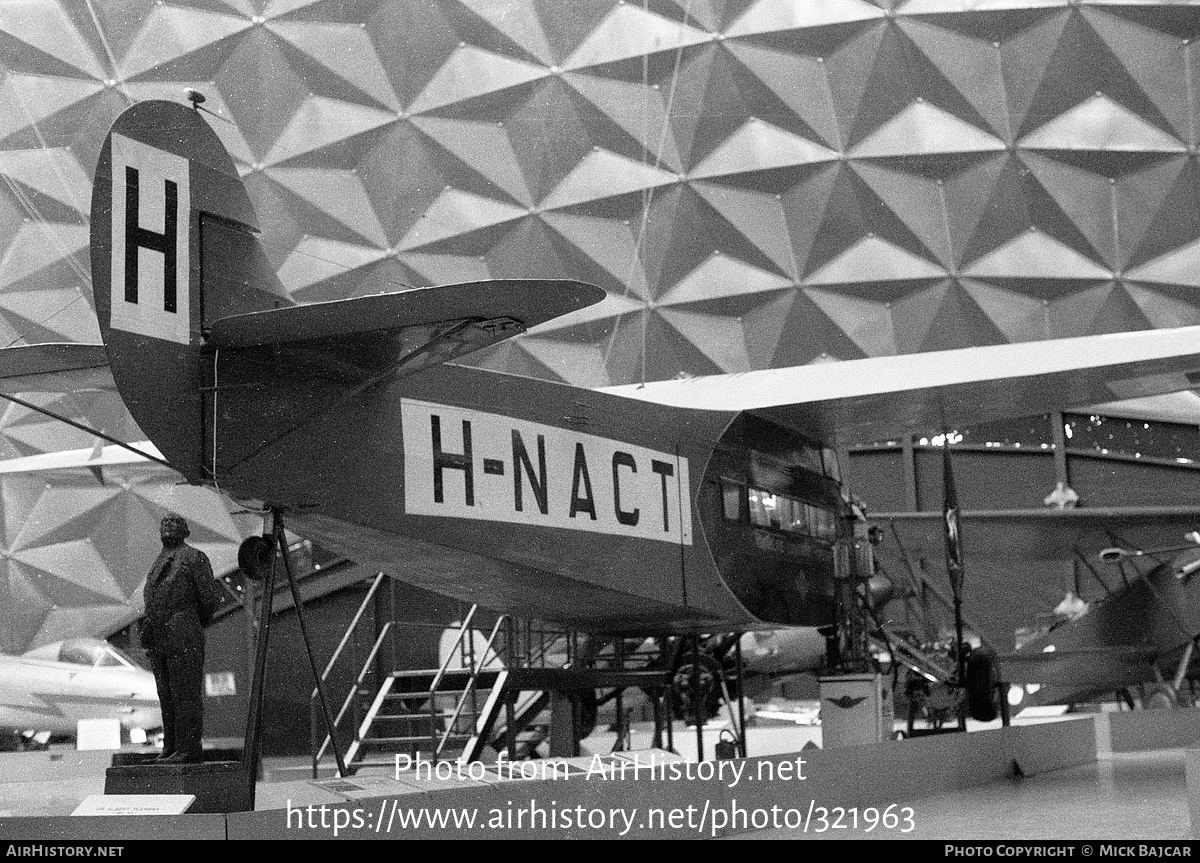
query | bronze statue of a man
(181,597)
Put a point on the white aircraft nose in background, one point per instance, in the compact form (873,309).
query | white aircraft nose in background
(51,688)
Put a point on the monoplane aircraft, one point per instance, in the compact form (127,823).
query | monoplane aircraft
(50,688)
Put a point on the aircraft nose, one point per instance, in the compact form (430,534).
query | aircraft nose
(146,718)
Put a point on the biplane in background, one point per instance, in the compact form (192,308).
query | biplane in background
(1137,641)
(681,507)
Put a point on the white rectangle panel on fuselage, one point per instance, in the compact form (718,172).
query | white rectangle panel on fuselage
(524,472)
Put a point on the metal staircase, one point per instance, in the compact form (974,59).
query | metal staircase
(432,712)
(416,712)
(495,689)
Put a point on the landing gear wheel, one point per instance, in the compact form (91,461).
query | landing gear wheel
(589,708)
(1160,695)
(983,685)
(255,555)
(708,699)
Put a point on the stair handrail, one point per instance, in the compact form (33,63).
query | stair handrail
(532,656)
(351,628)
(462,630)
(353,625)
(362,675)
(472,679)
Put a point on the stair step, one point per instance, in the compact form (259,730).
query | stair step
(391,741)
(449,674)
(426,694)
(411,717)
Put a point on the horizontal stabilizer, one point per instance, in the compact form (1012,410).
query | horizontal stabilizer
(865,400)
(24,360)
(526,302)
(54,367)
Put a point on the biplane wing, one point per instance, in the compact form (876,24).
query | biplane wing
(1097,668)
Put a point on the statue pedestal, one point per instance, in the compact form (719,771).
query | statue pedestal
(219,786)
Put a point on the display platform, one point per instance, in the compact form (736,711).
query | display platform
(218,786)
(390,805)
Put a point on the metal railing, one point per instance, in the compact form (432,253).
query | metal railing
(511,643)
(320,749)
(469,688)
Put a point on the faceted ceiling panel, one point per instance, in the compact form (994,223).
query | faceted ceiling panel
(755,182)
(76,544)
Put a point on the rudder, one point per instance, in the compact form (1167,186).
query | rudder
(172,249)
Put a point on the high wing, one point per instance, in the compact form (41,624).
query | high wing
(92,458)
(856,401)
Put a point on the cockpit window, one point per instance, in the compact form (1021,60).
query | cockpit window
(832,470)
(93,654)
(112,657)
(79,652)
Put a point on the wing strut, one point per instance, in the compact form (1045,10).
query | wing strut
(84,428)
(382,374)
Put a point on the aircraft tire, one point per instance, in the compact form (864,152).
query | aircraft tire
(983,678)
(1160,695)
(589,709)
(255,556)
(709,703)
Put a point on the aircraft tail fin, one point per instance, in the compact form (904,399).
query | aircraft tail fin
(180,279)
(172,248)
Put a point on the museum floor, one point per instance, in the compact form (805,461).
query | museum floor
(1130,795)
(1127,795)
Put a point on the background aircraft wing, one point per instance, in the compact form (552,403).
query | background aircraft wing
(54,367)
(91,458)
(857,401)
(1099,667)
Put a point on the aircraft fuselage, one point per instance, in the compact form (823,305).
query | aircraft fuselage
(544,499)
(50,696)
(522,495)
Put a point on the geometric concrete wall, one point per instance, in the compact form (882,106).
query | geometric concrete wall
(75,547)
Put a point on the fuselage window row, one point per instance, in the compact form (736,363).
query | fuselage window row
(764,508)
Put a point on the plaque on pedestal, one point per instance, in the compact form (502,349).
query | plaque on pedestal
(218,786)
(135,804)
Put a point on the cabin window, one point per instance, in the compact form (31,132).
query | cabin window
(764,508)
(781,512)
(731,499)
